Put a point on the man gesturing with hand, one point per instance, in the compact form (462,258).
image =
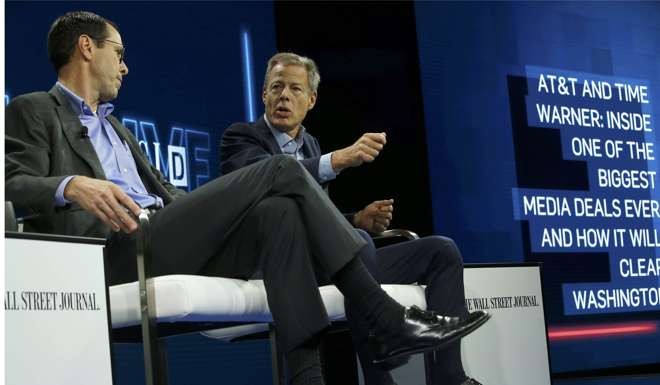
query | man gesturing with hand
(364,150)
(289,92)
(376,216)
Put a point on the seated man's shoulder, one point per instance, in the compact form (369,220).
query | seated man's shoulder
(241,129)
(32,107)
(241,126)
(31,99)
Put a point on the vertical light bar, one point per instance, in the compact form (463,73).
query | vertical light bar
(248,81)
(6,99)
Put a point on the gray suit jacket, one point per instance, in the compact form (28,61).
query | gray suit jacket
(43,145)
(246,143)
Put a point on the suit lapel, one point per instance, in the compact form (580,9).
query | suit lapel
(150,181)
(73,132)
(309,151)
(273,146)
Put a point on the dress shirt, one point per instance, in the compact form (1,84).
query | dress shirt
(115,155)
(293,147)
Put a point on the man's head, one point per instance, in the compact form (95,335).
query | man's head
(90,44)
(290,90)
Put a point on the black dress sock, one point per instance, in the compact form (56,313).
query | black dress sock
(304,364)
(383,314)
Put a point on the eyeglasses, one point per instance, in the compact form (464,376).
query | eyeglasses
(121,53)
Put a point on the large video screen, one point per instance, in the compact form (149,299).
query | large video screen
(541,122)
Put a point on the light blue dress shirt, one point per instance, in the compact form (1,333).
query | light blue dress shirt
(113,153)
(293,147)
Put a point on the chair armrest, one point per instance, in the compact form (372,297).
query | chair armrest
(392,236)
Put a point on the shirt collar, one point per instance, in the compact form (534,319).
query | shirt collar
(79,105)
(283,138)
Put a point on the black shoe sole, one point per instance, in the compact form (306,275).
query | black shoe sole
(462,333)
(391,363)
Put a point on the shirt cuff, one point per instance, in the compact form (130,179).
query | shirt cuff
(159,201)
(60,200)
(326,173)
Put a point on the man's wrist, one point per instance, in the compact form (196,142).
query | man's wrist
(69,189)
(356,218)
(326,171)
(336,161)
(60,198)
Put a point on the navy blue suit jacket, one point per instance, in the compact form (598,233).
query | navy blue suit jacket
(246,143)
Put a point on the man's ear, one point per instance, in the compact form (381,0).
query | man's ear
(86,46)
(312,101)
(263,95)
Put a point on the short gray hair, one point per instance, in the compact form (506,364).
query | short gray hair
(290,58)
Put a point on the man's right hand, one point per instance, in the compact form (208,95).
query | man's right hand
(365,149)
(105,200)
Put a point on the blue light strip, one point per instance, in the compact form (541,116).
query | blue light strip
(6,99)
(246,47)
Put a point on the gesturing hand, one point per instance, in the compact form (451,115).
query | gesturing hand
(365,149)
(105,200)
(376,217)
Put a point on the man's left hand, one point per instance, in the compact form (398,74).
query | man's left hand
(376,217)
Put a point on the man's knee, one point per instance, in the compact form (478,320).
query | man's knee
(365,235)
(293,171)
(444,247)
(277,206)
(279,162)
(287,162)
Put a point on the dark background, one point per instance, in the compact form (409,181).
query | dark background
(370,82)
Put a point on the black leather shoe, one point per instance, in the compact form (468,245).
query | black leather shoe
(443,319)
(393,363)
(424,331)
(471,381)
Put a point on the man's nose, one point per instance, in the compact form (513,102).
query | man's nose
(285,94)
(123,68)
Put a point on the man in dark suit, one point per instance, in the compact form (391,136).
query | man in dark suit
(72,164)
(434,261)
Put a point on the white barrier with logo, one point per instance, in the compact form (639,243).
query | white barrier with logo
(56,314)
(511,348)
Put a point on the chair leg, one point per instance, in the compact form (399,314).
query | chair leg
(155,357)
(155,353)
(156,364)
(276,359)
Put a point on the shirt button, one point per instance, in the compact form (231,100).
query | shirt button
(125,170)
(113,143)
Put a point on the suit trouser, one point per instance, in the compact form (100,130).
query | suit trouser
(433,261)
(270,218)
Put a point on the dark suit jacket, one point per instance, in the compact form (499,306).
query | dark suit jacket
(43,145)
(246,143)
